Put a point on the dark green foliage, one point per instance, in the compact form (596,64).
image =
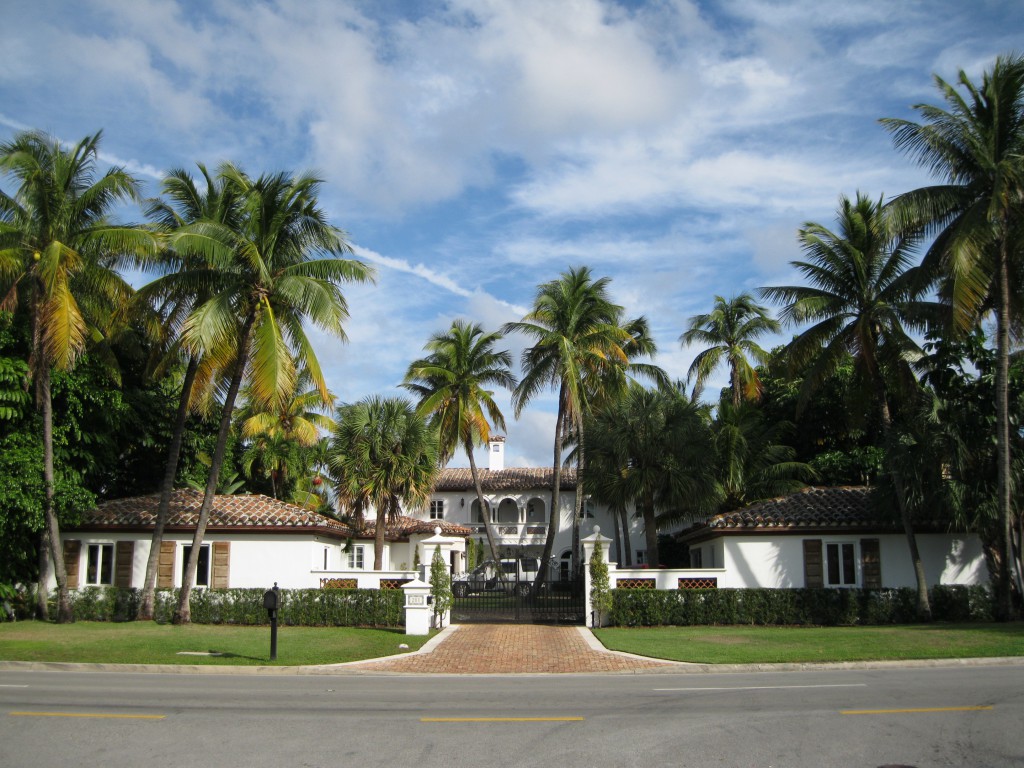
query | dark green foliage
(793,607)
(298,607)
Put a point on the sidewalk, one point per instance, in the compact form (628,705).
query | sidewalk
(494,649)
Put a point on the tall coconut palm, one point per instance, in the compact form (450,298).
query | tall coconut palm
(188,215)
(59,252)
(451,383)
(976,146)
(861,299)
(280,269)
(576,330)
(384,456)
(730,328)
(650,449)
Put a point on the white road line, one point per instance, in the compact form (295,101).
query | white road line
(768,687)
(13,686)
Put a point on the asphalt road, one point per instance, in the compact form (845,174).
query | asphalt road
(971,716)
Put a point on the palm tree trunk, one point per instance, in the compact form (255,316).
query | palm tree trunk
(378,540)
(166,488)
(43,586)
(484,511)
(556,487)
(650,532)
(64,615)
(626,545)
(924,609)
(183,614)
(1005,610)
(577,514)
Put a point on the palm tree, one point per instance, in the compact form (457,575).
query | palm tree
(384,456)
(730,328)
(282,439)
(280,269)
(58,256)
(753,465)
(188,216)
(451,383)
(577,331)
(976,145)
(650,449)
(861,299)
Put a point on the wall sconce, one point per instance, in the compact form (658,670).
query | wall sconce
(462,502)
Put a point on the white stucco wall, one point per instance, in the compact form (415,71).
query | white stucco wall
(777,562)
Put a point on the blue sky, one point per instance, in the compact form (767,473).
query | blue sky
(476,148)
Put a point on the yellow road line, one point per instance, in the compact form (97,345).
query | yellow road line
(86,714)
(917,710)
(500,719)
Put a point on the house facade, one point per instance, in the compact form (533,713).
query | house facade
(250,541)
(828,537)
(518,502)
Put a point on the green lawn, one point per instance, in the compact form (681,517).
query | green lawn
(150,643)
(753,645)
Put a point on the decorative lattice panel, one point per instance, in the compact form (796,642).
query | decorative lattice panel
(692,583)
(339,583)
(393,583)
(636,583)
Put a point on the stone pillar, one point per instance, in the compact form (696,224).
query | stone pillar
(588,552)
(418,609)
(427,547)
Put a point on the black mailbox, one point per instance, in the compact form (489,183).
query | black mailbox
(270,601)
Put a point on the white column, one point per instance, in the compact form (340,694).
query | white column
(588,552)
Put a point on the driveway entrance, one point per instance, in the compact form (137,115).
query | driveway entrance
(518,602)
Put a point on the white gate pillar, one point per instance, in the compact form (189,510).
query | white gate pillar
(588,552)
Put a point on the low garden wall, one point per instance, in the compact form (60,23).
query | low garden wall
(789,607)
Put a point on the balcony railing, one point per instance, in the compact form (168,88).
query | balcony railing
(515,531)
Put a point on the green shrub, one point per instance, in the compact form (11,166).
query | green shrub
(299,607)
(788,607)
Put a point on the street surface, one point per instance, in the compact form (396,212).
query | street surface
(970,716)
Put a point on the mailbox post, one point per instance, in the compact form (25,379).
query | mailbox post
(271,599)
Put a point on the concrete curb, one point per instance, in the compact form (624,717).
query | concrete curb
(357,667)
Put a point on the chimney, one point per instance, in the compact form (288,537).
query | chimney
(496,453)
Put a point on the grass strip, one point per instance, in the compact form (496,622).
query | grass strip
(150,643)
(765,645)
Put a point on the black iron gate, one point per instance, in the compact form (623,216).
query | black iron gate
(512,596)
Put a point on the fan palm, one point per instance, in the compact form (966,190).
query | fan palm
(384,456)
(279,269)
(753,465)
(976,144)
(861,300)
(59,253)
(730,328)
(650,449)
(450,383)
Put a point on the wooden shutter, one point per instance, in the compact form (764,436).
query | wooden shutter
(221,564)
(72,561)
(871,563)
(814,575)
(165,566)
(124,566)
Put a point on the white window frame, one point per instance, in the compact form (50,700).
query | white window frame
(696,557)
(94,576)
(357,557)
(437,509)
(200,573)
(842,582)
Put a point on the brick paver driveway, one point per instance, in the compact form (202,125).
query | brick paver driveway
(513,648)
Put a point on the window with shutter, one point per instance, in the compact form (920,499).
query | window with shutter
(814,575)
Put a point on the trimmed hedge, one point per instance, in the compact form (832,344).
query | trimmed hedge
(789,607)
(298,607)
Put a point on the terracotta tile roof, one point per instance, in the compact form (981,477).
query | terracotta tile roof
(406,526)
(243,512)
(514,479)
(809,510)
